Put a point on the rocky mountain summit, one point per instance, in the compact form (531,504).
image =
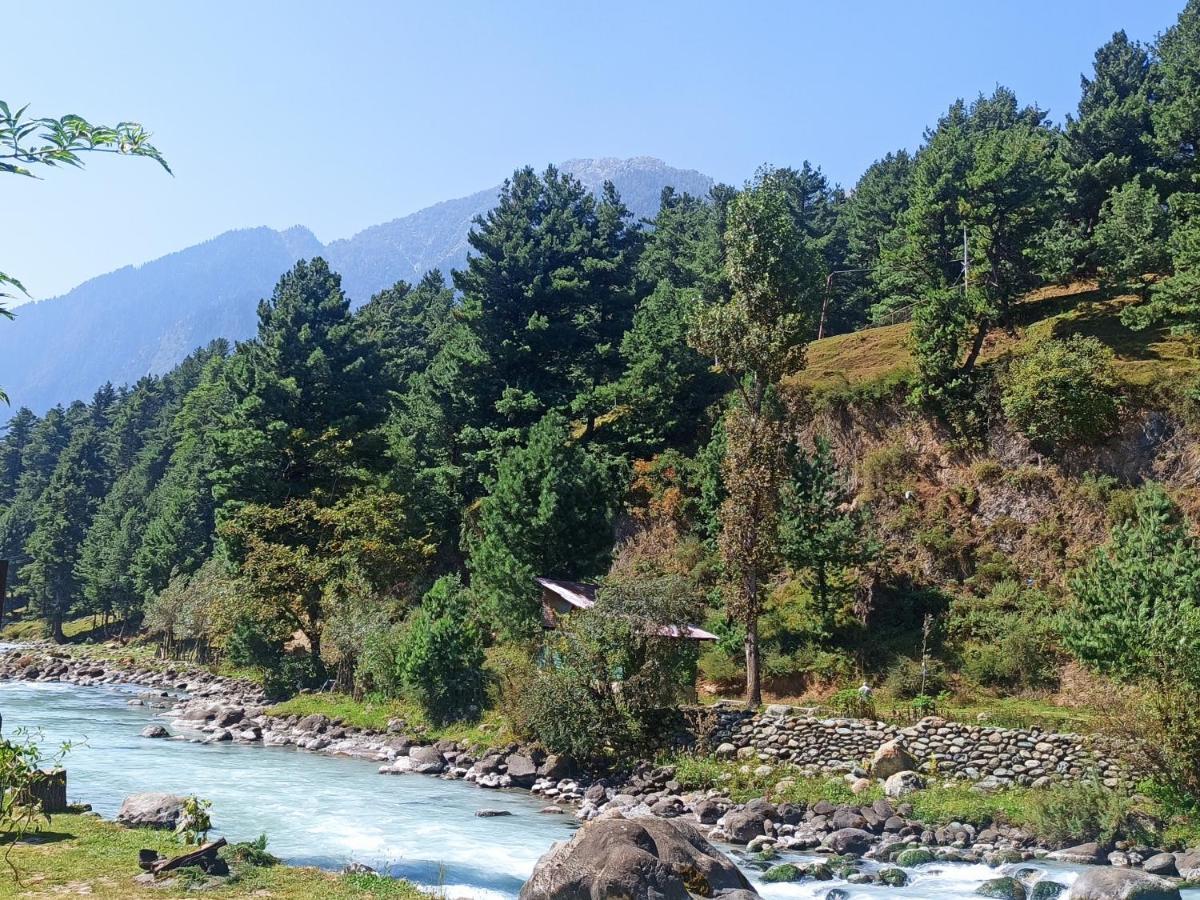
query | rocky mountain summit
(144,319)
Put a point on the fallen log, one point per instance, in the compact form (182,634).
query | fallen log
(208,851)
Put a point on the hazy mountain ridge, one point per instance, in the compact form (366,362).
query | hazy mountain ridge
(144,319)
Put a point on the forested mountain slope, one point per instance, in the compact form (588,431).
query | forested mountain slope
(143,320)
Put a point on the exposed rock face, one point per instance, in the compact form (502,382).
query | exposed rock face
(151,811)
(1121,884)
(890,758)
(646,859)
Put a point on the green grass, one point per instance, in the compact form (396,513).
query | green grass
(697,772)
(874,361)
(373,713)
(1021,712)
(79,854)
(31,629)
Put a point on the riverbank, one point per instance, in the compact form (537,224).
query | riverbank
(80,854)
(768,809)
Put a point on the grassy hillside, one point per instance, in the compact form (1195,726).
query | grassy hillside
(864,361)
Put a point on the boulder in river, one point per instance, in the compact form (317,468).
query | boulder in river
(522,770)
(1106,883)
(1080,855)
(151,811)
(155,731)
(639,860)
(851,841)
(1003,888)
(745,824)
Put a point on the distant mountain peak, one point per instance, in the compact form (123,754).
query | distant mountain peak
(145,319)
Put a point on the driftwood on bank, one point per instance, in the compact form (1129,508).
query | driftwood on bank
(199,856)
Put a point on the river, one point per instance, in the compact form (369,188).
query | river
(329,811)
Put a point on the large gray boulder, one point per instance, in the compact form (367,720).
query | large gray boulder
(151,811)
(902,784)
(853,841)
(426,761)
(1188,864)
(1081,854)
(643,859)
(745,824)
(521,769)
(1107,883)
(891,758)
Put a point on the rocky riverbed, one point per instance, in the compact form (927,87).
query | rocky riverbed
(861,844)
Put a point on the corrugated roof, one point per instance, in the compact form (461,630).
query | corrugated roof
(583,596)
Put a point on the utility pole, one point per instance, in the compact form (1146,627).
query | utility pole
(966,263)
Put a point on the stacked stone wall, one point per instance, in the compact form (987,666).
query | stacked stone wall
(979,752)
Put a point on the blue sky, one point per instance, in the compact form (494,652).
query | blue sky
(339,115)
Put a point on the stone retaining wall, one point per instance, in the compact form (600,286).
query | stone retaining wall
(1027,757)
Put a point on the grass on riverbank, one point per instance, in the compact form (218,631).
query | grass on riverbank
(79,854)
(374,713)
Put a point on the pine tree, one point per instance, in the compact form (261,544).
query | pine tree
(1175,112)
(546,295)
(38,461)
(403,322)
(549,513)
(64,512)
(992,172)
(667,386)
(305,395)
(1131,235)
(17,433)
(871,217)
(180,512)
(1109,139)
(820,535)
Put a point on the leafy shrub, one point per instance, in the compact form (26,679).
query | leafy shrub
(1025,657)
(848,702)
(613,674)
(440,661)
(195,823)
(377,672)
(1063,393)
(887,470)
(253,853)
(903,679)
(1083,811)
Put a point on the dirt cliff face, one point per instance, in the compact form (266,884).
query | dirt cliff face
(949,516)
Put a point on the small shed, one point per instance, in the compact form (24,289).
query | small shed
(560,598)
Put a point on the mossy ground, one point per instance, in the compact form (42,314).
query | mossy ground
(82,855)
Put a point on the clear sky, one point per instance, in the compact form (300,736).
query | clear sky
(339,115)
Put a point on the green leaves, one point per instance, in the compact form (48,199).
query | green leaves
(29,142)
